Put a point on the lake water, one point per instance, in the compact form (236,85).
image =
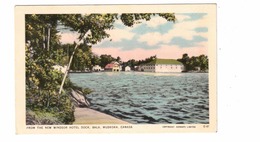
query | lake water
(149,98)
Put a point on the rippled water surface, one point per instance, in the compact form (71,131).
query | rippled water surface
(154,98)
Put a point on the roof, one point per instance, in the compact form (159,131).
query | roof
(165,61)
(114,62)
(96,66)
(109,66)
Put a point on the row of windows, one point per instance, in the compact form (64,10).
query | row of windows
(161,65)
(149,67)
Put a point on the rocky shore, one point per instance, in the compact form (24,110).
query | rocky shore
(85,115)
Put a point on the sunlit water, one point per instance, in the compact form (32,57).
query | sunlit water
(153,98)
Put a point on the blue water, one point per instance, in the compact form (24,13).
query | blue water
(149,98)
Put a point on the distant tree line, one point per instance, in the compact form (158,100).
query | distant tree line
(87,59)
(132,62)
(84,57)
(194,63)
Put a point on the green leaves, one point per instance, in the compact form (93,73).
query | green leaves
(82,58)
(130,19)
(168,16)
(106,59)
(127,19)
(195,63)
(36,30)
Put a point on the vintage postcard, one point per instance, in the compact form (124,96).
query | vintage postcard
(115,68)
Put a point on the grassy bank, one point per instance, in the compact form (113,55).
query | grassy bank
(48,107)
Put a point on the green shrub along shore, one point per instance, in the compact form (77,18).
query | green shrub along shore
(44,104)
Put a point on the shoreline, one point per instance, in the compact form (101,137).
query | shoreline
(192,71)
(90,116)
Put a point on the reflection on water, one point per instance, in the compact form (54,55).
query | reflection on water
(153,98)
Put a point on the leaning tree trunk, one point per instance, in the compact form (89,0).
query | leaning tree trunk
(67,69)
(43,37)
(48,38)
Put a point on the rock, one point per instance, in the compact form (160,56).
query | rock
(78,99)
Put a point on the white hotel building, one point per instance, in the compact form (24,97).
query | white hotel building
(162,65)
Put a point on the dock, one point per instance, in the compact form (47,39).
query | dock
(90,116)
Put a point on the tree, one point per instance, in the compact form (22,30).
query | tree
(194,62)
(185,61)
(40,31)
(132,62)
(203,62)
(82,58)
(95,59)
(106,59)
(118,59)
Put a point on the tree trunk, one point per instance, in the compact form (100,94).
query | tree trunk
(43,37)
(48,99)
(48,39)
(67,70)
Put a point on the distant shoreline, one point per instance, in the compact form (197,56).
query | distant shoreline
(196,72)
(145,72)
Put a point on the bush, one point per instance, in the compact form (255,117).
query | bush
(37,117)
(42,97)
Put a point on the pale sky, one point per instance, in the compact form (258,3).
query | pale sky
(189,34)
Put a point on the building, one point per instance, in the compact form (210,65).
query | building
(197,68)
(60,68)
(162,65)
(96,68)
(113,66)
(136,68)
(127,68)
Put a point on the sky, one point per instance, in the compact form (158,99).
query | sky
(168,40)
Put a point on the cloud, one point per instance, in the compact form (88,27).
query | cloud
(156,21)
(118,34)
(154,38)
(181,42)
(186,29)
(181,17)
(190,30)
(201,29)
(174,52)
(125,44)
(68,37)
(143,28)
(193,16)
(184,33)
